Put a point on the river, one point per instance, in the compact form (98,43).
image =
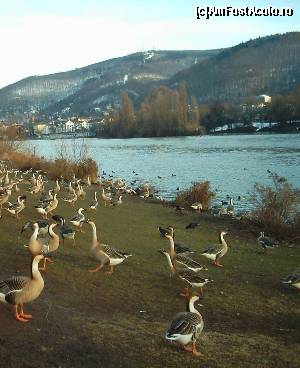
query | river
(232,163)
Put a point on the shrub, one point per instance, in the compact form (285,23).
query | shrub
(199,192)
(82,167)
(277,207)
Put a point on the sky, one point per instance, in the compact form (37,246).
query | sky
(48,36)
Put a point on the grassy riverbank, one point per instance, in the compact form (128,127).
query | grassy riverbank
(92,320)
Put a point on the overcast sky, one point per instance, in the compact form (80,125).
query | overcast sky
(48,36)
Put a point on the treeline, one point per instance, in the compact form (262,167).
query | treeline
(165,112)
(281,109)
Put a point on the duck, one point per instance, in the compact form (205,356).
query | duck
(65,231)
(186,327)
(293,280)
(78,219)
(43,246)
(19,290)
(266,243)
(106,254)
(94,204)
(183,259)
(214,253)
(192,278)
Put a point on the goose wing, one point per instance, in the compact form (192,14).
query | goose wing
(192,277)
(10,287)
(188,262)
(182,248)
(113,253)
(184,323)
(211,250)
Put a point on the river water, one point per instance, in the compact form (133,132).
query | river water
(232,163)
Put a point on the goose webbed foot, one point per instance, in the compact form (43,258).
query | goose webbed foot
(17,316)
(110,271)
(195,352)
(22,314)
(96,269)
(216,263)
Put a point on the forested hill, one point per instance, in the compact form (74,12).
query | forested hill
(97,85)
(269,65)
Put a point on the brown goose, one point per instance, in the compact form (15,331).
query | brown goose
(19,290)
(44,246)
(104,253)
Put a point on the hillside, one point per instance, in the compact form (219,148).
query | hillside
(98,84)
(269,65)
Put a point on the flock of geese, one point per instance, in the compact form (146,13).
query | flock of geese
(44,241)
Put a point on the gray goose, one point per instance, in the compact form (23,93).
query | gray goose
(19,290)
(179,246)
(182,259)
(104,253)
(193,279)
(214,253)
(293,280)
(66,232)
(78,219)
(186,327)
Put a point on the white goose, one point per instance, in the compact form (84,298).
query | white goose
(216,252)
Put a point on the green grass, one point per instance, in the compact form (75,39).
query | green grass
(92,320)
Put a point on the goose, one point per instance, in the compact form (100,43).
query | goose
(65,231)
(43,226)
(216,252)
(19,290)
(16,208)
(88,181)
(56,189)
(80,192)
(104,253)
(43,246)
(266,243)
(4,196)
(179,246)
(6,179)
(78,219)
(186,327)
(182,259)
(72,197)
(94,204)
(293,280)
(44,209)
(118,202)
(106,198)
(192,278)
(197,206)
